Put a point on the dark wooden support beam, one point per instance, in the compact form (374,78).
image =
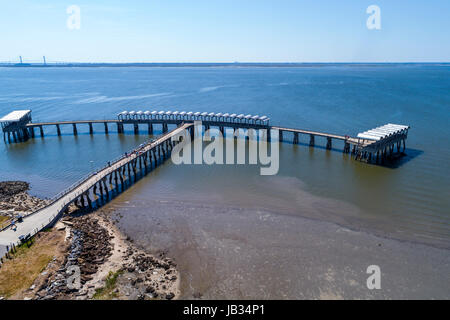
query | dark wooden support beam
(347,147)
(88,200)
(296,138)
(25,133)
(329,143)
(106,127)
(58,130)
(134,165)
(106,188)
(101,190)
(75,132)
(311,140)
(119,127)
(82,201)
(94,190)
(91,128)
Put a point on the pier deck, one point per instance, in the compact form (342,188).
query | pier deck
(41,218)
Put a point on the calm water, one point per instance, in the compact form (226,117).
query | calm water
(410,201)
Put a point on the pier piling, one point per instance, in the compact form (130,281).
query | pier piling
(296,138)
(328,143)
(311,140)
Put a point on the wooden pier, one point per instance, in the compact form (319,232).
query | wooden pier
(365,147)
(370,146)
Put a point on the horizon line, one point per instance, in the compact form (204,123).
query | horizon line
(74,63)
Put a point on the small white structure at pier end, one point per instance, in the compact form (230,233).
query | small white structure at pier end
(381,141)
(16,116)
(15,123)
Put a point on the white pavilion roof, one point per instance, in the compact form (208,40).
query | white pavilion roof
(382,132)
(15,115)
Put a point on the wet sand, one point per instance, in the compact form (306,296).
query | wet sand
(228,252)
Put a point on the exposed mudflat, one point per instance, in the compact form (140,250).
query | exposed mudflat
(241,253)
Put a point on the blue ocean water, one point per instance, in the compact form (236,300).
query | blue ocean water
(411,199)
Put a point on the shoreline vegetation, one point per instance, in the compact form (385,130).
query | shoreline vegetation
(109,265)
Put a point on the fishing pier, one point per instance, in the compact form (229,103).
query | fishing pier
(375,146)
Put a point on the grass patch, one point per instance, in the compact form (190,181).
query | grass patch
(107,292)
(3,220)
(19,273)
(23,248)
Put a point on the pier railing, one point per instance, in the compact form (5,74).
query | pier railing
(76,184)
(5,224)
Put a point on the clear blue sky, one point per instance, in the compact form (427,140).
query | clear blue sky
(226,31)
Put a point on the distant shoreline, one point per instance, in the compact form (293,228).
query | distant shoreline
(207,64)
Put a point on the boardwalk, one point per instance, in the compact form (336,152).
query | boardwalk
(45,216)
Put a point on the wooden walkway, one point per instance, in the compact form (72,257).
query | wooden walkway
(38,124)
(47,215)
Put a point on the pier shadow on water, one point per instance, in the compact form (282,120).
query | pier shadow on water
(116,190)
(402,159)
(397,161)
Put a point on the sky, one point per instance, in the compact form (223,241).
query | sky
(225,31)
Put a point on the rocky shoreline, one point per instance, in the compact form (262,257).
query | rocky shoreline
(97,249)
(108,264)
(15,200)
